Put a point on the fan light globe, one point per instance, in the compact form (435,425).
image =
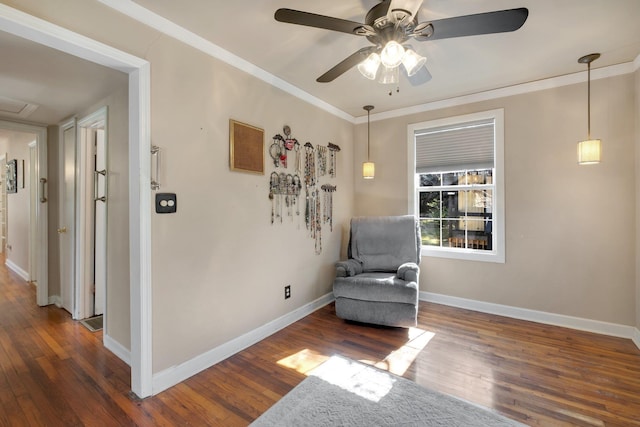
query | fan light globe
(369,67)
(389,75)
(391,55)
(412,62)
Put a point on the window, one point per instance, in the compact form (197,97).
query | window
(456,185)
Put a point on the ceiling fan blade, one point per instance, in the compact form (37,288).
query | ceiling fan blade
(346,64)
(291,16)
(410,6)
(500,21)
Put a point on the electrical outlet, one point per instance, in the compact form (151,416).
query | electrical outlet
(287,292)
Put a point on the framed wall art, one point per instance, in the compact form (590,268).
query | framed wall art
(12,176)
(246,148)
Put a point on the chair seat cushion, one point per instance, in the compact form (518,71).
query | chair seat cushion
(376,286)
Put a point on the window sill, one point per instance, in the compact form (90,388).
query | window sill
(463,254)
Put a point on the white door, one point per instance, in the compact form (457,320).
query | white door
(67,216)
(100,240)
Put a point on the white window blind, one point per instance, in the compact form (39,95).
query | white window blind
(456,147)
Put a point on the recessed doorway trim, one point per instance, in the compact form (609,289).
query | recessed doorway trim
(18,23)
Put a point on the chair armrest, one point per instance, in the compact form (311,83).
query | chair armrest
(347,268)
(409,271)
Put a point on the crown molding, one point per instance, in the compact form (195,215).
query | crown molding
(519,89)
(165,26)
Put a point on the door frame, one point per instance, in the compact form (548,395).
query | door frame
(84,210)
(43,32)
(41,209)
(64,289)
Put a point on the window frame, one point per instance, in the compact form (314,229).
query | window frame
(497,254)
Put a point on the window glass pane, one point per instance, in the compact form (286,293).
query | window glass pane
(450,207)
(430,179)
(450,178)
(430,204)
(451,232)
(430,229)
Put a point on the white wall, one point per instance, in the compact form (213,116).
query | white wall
(18,203)
(569,228)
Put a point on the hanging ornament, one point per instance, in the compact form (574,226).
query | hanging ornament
(333,150)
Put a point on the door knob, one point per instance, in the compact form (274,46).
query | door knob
(62,230)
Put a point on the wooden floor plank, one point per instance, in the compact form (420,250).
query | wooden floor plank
(55,372)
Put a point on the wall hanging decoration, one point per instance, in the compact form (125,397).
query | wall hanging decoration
(327,213)
(284,191)
(333,150)
(246,148)
(322,160)
(281,145)
(310,164)
(12,176)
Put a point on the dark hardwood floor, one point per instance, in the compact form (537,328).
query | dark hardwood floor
(54,372)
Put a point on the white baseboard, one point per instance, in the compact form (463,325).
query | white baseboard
(176,374)
(55,299)
(636,337)
(582,324)
(16,269)
(116,348)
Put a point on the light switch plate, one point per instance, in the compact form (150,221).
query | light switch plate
(166,202)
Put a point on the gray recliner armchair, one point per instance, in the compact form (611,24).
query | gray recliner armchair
(378,284)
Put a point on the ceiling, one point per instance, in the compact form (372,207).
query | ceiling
(42,85)
(555,35)
(549,44)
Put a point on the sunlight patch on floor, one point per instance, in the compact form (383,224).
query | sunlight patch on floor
(303,361)
(398,361)
(356,378)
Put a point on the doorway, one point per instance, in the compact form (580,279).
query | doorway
(21,24)
(33,254)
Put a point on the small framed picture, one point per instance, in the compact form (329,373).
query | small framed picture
(12,176)
(246,148)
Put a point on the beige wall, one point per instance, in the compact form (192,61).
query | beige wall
(219,266)
(18,203)
(569,248)
(117,303)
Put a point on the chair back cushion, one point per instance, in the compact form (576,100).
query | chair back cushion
(385,243)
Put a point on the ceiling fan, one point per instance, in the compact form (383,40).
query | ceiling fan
(389,25)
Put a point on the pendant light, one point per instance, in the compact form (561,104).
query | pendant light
(368,167)
(589,150)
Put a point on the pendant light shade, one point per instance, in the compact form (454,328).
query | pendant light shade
(368,170)
(368,167)
(589,150)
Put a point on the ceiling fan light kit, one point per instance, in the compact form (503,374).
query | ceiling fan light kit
(391,55)
(369,67)
(412,62)
(390,24)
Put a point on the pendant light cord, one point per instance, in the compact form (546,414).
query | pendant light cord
(589,100)
(368,132)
